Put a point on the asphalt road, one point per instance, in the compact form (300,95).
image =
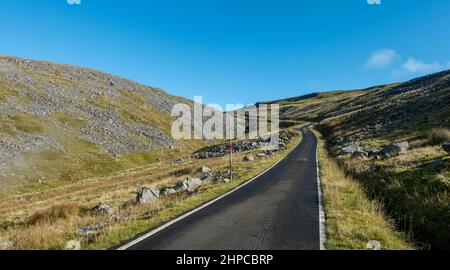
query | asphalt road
(277,211)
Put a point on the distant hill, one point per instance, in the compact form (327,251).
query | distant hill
(406,109)
(66,123)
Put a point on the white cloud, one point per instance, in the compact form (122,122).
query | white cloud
(374,2)
(74,2)
(413,65)
(382,58)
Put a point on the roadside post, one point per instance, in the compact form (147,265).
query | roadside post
(230,148)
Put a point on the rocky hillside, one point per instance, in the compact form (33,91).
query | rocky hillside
(392,138)
(60,122)
(388,111)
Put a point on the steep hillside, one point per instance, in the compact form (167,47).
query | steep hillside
(62,123)
(361,128)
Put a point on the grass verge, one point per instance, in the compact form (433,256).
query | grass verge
(352,220)
(47,219)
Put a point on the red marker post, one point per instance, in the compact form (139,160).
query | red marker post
(230,149)
(231,160)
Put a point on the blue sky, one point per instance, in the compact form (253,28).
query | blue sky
(235,51)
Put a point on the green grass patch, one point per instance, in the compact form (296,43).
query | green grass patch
(28,123)
(68,120)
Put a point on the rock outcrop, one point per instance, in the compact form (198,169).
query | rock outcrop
(147,195)
(395,149)
(54,107)
(249,158)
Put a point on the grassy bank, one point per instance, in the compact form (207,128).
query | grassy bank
(415,190)
(49,218)
(352,219)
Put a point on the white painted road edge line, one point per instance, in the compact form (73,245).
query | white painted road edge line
(170,223)
(322,221)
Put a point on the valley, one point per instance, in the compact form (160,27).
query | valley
(87,160)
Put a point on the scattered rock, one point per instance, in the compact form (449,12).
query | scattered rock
(359,155)
(92,230)
(372,152)
(404,146)
(103,209)
(395,149)
(390,151)
(180,186)
(193,184)
(147,195)
(241,146)
(249,158)
(373,245)
(208,179)
(350,149)
(167,191)
(226,180)
(103,126)
(73,245)
(6,245)
(205,174)
(261,155)
(446,147)
(204,170)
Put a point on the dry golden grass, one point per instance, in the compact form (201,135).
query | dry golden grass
(414,189)
(60,211)
(352,219)
(46,219)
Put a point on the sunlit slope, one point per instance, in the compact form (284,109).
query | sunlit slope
(64,123)
(413,186)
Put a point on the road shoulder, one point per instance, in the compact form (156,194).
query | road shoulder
(352,219)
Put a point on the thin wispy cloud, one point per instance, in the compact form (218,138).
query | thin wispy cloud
(382,58)
(413,65)
(374,2)
(74,2)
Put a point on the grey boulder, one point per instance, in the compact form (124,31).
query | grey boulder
(395,149)
(167,191)
(350,149)
(359,155)
(372,152)
(73,245)
(193,184)
(261,155)
(180,186)
(446,147)
(91,230)
(204,170)
(103,208)
(204,173)
(404,147)
(147,195)
(249,158)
